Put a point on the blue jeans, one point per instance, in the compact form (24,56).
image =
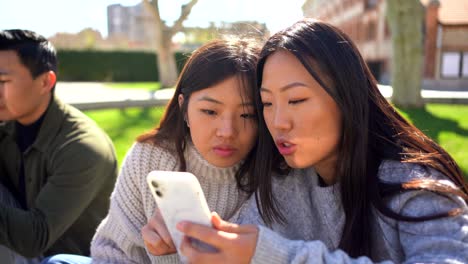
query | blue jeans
(67,259)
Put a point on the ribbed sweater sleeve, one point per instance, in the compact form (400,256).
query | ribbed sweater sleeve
(118,238)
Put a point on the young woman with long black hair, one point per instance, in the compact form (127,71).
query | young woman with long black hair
(209,128)
(364,185)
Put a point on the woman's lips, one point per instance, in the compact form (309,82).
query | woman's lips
(224,151)
(285,147)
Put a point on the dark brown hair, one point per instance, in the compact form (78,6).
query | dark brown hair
(372,131)
(209,65)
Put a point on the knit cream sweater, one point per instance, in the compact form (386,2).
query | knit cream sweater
(118,238)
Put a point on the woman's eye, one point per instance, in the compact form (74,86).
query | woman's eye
(248,116)
(293,102)
(266,104)
(208,111)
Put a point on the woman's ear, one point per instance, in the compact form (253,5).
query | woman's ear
(181,100)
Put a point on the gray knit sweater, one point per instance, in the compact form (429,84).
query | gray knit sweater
(315,220)
(118,238)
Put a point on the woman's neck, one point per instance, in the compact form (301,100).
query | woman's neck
(326,170)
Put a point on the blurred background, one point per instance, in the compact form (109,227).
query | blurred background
(109,64)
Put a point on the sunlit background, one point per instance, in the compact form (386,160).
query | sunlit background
(48,17)
(107,51)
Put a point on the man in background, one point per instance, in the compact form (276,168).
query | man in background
(57,167)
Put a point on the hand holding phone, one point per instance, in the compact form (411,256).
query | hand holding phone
(179,197)
(156,237)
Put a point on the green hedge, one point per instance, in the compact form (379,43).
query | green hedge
(110,66)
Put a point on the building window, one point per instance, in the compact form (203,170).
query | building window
(465,65)
(359,31)
(387,29)
(454,64)
(371,31)
(371,3)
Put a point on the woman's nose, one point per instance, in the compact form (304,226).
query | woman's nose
(226,128)
(281,119)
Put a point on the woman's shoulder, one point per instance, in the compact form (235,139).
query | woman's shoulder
(417,202)
(150,149)
(156,156)
(394,171)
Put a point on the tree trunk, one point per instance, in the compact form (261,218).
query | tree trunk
(163,34)
(405,19)
(166,61)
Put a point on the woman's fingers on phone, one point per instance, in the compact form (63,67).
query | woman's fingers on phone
(240,250)
(205,234)
(225,226)
(195,256)
(158,250)
(158,225)
(232,247)
(154,243)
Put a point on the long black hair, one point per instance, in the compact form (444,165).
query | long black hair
(372,130)
(209,65)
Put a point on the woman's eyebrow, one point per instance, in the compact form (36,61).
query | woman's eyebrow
(209,99)
(212,100)
(284,88)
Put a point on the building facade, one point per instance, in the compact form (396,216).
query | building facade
(136,24)
(445,36)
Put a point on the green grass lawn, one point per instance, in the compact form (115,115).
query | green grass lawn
(123,126)
(447,124)
(148,86)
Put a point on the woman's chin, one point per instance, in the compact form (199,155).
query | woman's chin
(296,164)
(223,163)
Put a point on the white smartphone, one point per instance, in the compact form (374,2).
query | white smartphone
(180,197)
